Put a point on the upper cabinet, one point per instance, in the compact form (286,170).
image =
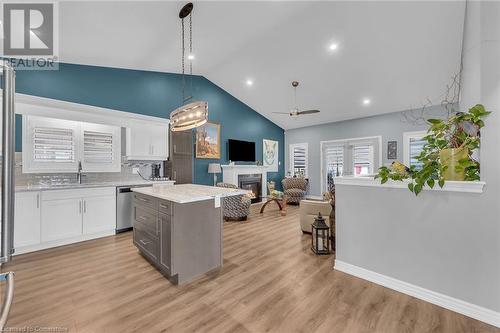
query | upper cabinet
(57,146)
(147,141)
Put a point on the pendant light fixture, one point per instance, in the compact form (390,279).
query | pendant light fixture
(193,114)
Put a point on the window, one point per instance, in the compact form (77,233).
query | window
(362,156)
(334,160)
(412,147)
(298,159)
(349,157)
(50,145)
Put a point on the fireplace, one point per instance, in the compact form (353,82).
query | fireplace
(252,183)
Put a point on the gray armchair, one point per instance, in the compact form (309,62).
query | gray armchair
(236,208)
(295,189)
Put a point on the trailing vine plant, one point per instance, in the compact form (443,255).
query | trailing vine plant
(460,130)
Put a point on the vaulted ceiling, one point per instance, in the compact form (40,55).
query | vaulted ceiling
(397,54)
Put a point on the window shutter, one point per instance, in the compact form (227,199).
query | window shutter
(334,156)
(97,147)
(299,160)
(416,147)
(53,144)
(362,156)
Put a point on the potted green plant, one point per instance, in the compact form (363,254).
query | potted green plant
(447,155)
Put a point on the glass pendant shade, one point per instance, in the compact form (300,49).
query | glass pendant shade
(189,116)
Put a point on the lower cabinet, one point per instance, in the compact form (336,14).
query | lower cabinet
(56,217)
(99,213)
(27,219)
(61,218)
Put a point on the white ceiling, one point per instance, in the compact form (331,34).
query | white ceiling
(398,54)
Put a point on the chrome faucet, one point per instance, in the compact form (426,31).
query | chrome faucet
(79,174)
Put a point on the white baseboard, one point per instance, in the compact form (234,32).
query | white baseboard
(471,310)
(61,242)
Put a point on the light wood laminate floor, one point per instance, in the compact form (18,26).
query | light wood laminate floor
(271,282)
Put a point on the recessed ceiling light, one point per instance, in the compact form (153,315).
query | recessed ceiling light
(366,101)
(191,56)
(249,82)
(333,47)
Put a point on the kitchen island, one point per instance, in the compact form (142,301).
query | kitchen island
(178,228)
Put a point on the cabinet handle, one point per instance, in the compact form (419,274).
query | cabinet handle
(175,175)
(157,225)
(80,206)
(143,242)
(142,199)
(163,206)
(85,206)
(38,201)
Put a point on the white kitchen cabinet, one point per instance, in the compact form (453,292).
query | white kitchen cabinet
(101,148)
(147,141)
(159,141)
(61,219)
(27,219)
(69,216)
(99,213)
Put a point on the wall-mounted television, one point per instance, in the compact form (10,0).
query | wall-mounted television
(241,151)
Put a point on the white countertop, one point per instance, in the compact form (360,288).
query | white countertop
(188,192)
(69,186)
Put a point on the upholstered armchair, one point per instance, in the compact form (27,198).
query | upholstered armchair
(295,189)
(235,208)
(309,209)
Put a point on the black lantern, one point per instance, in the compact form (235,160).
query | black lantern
(320,236)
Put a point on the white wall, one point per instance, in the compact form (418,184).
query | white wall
(447,243)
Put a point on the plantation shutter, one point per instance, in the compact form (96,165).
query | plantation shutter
(97,147)
(334,157)
(362,156)
(299,159)
(53,144)
(416,147)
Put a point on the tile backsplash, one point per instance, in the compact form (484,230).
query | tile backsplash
(125,174)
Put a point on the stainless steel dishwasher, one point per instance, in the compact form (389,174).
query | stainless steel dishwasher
(124,207)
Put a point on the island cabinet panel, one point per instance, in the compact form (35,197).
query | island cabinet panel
(166,242)
(182,240)
(147,218)
(146,243)
(196,239)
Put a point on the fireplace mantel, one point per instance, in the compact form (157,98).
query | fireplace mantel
(230,174)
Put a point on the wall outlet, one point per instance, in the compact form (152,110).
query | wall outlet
(135,170)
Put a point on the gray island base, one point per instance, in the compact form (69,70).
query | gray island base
(178,229)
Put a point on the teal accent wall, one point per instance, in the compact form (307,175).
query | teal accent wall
(154,94)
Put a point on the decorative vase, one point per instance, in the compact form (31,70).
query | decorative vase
(450,158)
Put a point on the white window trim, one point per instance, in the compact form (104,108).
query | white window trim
(291,147)
(407,136)
(376,163)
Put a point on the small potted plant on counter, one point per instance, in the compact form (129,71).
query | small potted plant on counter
(447,155)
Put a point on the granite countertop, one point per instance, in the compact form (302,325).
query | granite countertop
(70,186)
(188,192)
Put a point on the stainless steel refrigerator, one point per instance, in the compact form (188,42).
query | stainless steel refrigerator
(8,188)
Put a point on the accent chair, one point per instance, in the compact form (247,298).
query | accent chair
(235,208)
(295,189)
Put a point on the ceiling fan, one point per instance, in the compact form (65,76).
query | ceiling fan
(295,111)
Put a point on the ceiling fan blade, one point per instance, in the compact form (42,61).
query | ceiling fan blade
(308,112)
(282,112)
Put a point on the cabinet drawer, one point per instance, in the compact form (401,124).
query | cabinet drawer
(146,243)
(145,200)
(147,219)
(165,207)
